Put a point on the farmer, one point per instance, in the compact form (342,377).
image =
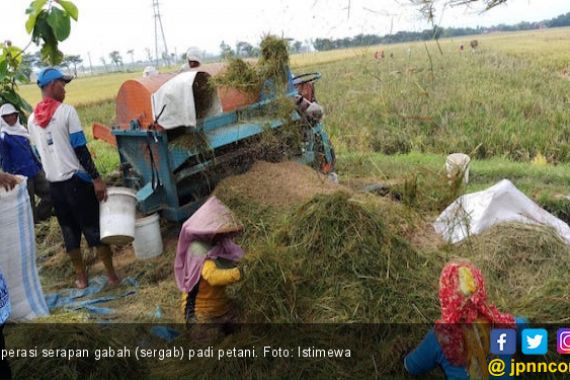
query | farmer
(75,184)
(18,157)
(193,62)
(459,343)
(205,263)
(7,182)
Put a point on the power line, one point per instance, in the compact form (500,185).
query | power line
(157,26)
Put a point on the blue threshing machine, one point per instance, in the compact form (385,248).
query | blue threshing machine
(175,179)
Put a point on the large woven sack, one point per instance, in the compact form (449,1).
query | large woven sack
(18,254)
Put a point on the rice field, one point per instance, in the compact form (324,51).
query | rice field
(508,99)
(345,256)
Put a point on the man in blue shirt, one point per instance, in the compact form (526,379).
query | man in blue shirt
(17,157)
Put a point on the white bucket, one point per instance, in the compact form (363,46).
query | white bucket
(457,164)
(117,216)
(148,241)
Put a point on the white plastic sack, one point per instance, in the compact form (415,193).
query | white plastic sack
(18,254)
(473,213)
(177,98)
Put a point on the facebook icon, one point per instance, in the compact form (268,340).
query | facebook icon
(503,341)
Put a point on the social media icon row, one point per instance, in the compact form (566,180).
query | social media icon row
(533,341)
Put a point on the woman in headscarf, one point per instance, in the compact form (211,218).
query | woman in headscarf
(205,263)
(459,342)
(17,157)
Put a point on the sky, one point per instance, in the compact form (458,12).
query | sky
(106,25)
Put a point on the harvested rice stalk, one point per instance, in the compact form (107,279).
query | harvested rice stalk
(526,268)
(240,75)
(335,260)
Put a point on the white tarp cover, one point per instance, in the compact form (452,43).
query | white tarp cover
(178,97)
(18,254)
(473,213)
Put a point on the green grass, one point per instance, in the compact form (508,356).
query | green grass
(494,103)
(106,156)
(509,99)
(546,184)
(84,90)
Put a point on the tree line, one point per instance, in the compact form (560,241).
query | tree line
(322,44)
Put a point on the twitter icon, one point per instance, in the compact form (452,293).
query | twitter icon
(534,341)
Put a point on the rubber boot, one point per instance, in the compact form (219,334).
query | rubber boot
(79,266)
(106,256)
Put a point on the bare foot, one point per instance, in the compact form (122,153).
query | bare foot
(81,281)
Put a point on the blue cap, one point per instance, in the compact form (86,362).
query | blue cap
(48,75)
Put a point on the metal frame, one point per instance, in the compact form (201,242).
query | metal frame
(158,165)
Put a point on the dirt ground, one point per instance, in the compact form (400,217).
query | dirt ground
(278,185)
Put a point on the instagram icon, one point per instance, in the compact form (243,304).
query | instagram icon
(563,341)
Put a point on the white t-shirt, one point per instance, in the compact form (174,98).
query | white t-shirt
(56,142)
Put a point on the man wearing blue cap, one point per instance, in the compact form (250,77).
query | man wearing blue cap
(75,184)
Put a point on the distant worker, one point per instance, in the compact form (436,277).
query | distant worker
(75,184)
(379,54)
(474,45)
(459,342)
(17,157)
(461,48)
(391,55)
(149,71)
(205,263)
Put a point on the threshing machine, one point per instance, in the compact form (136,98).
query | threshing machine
(154,114)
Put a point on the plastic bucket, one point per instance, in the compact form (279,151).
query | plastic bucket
(148,241)
(457,164)
(117,216)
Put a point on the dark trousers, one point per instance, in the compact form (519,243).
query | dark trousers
(5,371)
(77,211)
(39,186)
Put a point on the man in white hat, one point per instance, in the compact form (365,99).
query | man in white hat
(193,62)
(17,157)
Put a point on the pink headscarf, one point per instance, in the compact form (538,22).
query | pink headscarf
(212,220)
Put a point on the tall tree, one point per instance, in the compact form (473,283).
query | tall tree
(72,60)
(244,49)
(226,50)
(116,58)
(297,46)
(104,62)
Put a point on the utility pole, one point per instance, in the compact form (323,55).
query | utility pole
(157,26)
